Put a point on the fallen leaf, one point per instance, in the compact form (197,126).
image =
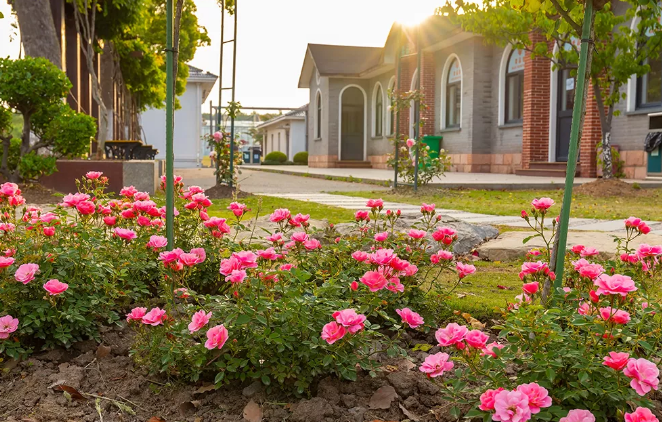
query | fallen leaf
(406,364)
(205,388)
(156,419)
(253,412)
(499,286)
(188,407)
(103,351)
(72,391)
(383,397)
(390,368)
(461,295)
(409,414)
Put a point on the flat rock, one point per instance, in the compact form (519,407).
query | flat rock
(509,247)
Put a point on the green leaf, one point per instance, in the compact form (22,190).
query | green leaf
(266,380)
(242,319)
(455,412)
(551,374)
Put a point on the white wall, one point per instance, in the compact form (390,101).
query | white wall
(272,145)
(297,137)
(188,147)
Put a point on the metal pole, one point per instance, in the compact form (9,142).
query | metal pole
(220,88)
(397,113)
(170,158)
(417,106)
(234,73)
(575,136)
(211,119)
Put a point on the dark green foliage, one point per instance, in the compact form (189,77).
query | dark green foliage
(301,158)
(276,156)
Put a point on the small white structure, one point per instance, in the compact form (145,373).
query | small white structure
(286,133)
(189,148)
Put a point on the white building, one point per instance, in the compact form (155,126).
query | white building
(286,133)
(189,147)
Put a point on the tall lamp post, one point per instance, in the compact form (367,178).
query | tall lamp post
(170,157)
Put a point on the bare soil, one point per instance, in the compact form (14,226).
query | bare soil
(100,382)
(38,194)
(602,188)
(225,192)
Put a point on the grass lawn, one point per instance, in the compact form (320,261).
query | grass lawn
(267,204)
(647,207)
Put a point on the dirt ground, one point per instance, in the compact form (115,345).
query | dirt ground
(602,188)
(37,194)
(224,192)
(100,383)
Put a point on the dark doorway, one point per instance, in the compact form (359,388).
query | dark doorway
(565,104)
(352,127)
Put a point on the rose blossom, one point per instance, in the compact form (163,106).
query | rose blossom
(360,256)
(92,175)
(464,270)
(489,349)
(199,320)
(531,288)
(362,215)
(584,309)
(614,285)
(9,189)
(641,414)
(279,215)
(354,285)
(417,234)
(349,319)
(110,220)
(8,325)
(487,399)
(616,360)
(54,287)
(374,280)
(476,339)
(441,255)
(247,259)
(511,406)
(644,374)
(435,365)
(333,332)
(646,251)
(154,317)
(380,237)
(410,143)
(538,396)
(381,256)
(216,337)
(126,234)
(579,415)
(452,334)
(312,244)
(577,249)
(445,235)
(268,254)
(586,252)
(25,273)
(236,276)
(157,242)
(375,203)
(136,314)
(237,208)
(591,271)
(542,204)
(410,317)
(617,317)
(299,237)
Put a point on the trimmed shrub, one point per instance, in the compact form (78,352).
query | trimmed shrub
(301,158)
(276,156)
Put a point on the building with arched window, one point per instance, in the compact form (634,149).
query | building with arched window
(498,109)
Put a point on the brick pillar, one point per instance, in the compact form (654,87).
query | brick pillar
(535,131)
(591,136)
(407,68)
(428,87)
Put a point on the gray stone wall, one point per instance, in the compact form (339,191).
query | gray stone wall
(336,85)
(505,139)
(379,145)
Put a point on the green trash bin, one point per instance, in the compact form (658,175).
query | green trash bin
(434,142)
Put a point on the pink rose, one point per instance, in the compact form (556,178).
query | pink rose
(615,316)
(380,237)
(229,265)
(136,314)
(511,406)
(360,256)
(188,259)
(286,267)
(487,399)
(199,320)
(181,293)
(237,209)
(125,234)
(216,337)
(476,339)
(49,231)
(279,215)
(374,280)
(417,234)
(441,255)
(641,414)
(435,365)
(236,276)
(616,360)
(354,285)
(9,189)
(71,200)
(591,271)
(375,203)
(26,272)
(584,309)
(381,256)
(542,204)
(333,332)
(8,325)
(247,259)
(445,235)
(157,242)
(54,287)
(217,136)
(632,222)
(268,254)
(531,288)
(299,237)
(644,375)
(6,261)
(92,175)
(577,249)
(362,215)
(410,143)
(614,285)
(646,251)
(452,334)
(312,244)
(349,319)
(410,317)
(489,349)
(464,270)
(579,415)
(300,220)
(154,317)
(427,208)
(109,221)
(586,252)
(538,396)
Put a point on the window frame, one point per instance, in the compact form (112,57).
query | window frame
(318,115)
(638,92)
(390,126)
(520,92)
(378,114)
(449,85)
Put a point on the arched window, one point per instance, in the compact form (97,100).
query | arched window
(318,116)
(454,95)
(378,116)
(649,86)
(514,98)
(390,124)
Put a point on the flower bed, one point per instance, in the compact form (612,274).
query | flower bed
(290,306)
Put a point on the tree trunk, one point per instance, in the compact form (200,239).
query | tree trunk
(38,33)
(605,126)
(607,166)
(25,136)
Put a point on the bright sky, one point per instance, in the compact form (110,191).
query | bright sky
(272,39)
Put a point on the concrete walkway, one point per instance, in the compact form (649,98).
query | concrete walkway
(451,180)
(356,203)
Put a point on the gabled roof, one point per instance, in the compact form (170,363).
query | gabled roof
(298,114)
(205,79)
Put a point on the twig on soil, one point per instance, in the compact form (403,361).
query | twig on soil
(121,406)
(158,383)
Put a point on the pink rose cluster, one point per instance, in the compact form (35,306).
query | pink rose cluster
(8,325)
(177,259)
(218,227)
(234,268)
(11,195)
(445,235)
(541,205)
(644,375)
(177,181)
(388,269)
(517,405)
(238,209)
(536,271)
(460,337)
(346,321)
(302,239)
(155,316)
(634,224)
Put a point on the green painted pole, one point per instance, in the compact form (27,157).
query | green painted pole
(575,136)
(234,73)
(417,106)
(170,157)
(397,113)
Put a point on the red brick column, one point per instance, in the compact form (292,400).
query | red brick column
(591,136)
(535,131)
(407,68)
(428,87)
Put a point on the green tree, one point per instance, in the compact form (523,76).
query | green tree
(619,51)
